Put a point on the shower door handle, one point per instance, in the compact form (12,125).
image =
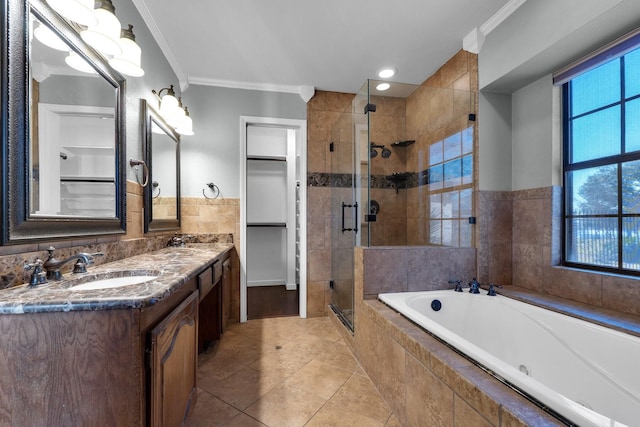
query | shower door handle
(355,219)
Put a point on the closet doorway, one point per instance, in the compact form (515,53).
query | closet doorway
(272,217)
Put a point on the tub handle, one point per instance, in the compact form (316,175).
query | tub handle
(458,283)
(492,289)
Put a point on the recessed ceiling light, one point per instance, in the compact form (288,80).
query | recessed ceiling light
(386,73)
(383,86)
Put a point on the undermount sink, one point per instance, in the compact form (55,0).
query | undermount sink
(101,282)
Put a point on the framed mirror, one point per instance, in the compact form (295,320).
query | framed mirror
(63,131)
(162,156)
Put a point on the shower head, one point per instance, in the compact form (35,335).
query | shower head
(374,153)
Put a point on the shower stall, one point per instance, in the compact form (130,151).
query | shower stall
(401,175)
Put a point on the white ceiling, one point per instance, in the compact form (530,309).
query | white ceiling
(332,45)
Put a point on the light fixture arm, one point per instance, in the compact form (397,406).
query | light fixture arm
(169,90)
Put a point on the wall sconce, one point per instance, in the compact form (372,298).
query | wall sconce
(105,35)
(102,32)
(173,112)
(79,11)
(128,62)
(186,126)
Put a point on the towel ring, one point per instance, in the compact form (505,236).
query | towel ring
(214,189)
(145,170)
(155,185)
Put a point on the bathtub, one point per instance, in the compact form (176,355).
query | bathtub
(587,374)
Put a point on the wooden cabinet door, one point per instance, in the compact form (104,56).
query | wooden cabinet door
(226,292)
(174,361)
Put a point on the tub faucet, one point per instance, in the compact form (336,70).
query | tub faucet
(53,265)
(492,289)
(458,283)
(474,286)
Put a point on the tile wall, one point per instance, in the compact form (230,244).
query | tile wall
(135,241)
(324,111)
(387,125)
(520,242)
(438,108)
(422,380)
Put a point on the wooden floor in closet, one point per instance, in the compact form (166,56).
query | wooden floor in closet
(271,301)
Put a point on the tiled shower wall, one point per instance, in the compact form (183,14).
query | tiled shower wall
(387,125)
(324,111)
(438,108)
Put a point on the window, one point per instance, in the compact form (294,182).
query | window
(602,166)
(450,189)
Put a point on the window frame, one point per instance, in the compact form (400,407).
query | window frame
(613,160)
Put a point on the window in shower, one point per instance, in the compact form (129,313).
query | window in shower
(450,189)
(602,165)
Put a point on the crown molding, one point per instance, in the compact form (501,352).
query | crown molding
(502,14)
(143,9)
(305,92)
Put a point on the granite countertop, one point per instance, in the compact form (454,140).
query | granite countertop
(174,266)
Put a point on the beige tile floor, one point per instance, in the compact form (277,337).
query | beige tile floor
(282,372)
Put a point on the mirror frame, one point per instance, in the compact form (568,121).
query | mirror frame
(18,226)
(151,115)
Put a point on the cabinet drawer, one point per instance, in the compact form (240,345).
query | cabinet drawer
(217,271)
(205,282)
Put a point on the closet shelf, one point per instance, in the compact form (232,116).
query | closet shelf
(69,178)
(271,158)
(267,224)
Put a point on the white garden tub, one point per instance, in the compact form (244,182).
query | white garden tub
(586,373)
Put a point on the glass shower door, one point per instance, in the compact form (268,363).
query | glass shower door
(346,205)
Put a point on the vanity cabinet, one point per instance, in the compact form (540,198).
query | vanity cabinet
(173,365)
(227,286)
(209,316)
(120,367)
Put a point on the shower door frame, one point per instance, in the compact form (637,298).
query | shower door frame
(356,205)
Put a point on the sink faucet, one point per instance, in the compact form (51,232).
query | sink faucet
(178,241)
(53,265)
(37,275)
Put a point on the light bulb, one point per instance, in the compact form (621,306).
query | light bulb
(47,37)
(79,63)
(128,62)
(105,35)
(186,125)
(80,11)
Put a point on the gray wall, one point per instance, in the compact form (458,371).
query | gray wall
(516,62)
(213,153)
(544,35)
(77,90)
(494,151)
(535,122)
(158,74)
